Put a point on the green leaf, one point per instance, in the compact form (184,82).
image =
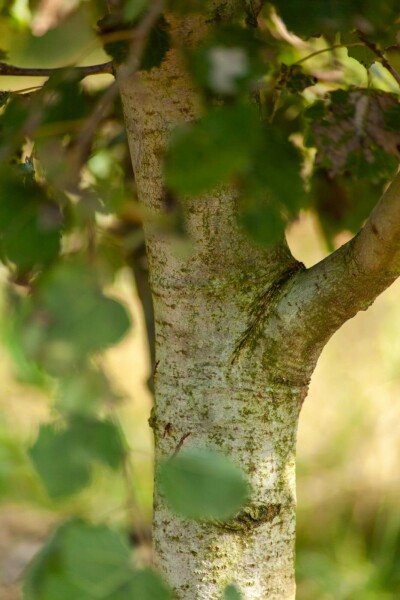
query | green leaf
(157,45)
(330,17)
(392,117)
(63,98)
(272,190)
(201,484)
(71,318)
(262,218)
(85,392)
(80,562)
(228,60)
(89,562)
(362,54)
(96,558)
(4,98)
(148,585)
(211,150)
(99,440)
(232,593)
(30,221)
(64,457)
(63,44)
(358,132)
(295,79)
(185,7)
(133,9)
(62,467)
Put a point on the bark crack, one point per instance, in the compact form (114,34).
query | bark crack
(261,307)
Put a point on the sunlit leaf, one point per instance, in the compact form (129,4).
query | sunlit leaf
(59,46)
(201,484)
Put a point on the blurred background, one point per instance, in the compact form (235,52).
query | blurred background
(348,544)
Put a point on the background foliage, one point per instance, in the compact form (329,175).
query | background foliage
(325,85)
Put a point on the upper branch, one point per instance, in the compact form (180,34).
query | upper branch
(6,69)
(323,297)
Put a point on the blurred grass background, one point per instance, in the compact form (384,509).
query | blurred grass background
(348,454)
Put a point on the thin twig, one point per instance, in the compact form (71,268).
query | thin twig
(139,37)
(378,53)
(335,47)
(6,69)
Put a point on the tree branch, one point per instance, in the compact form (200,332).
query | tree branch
(374,48)
(6,69)
(320,299)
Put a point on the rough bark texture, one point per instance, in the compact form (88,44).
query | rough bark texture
(238,333)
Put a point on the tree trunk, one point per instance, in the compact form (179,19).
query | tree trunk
(211,392)
(238,333)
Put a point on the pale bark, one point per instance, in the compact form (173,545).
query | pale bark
(238,334)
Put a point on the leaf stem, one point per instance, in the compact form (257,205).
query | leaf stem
(379,54)
(317,52)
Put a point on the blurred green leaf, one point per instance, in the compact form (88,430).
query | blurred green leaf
(329,18)
(89,562)
(184,7)
(364,55)
(86,561)
(63,99)
(62,465)
(228,60)
(201,484)
(157,45)
(147,585)
(59,46)
(64,457)
(269,198)
(211,150)
(157,42)
(232,593)
(97,559)
(262,218)
(132,9)
(85,392)
(13,121)
(30,222)
(392,117)
(295,79)
(70,318)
